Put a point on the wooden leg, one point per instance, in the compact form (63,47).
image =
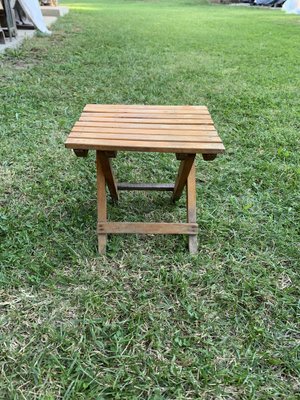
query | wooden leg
(191,207)
(183,173)
(101,203)
(109,175)
(186,176)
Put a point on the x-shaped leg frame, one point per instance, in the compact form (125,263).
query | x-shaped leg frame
(186,177)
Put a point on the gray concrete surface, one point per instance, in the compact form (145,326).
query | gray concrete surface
(29,33)
(54,11)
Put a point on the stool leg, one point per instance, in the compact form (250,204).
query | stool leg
(109,175)
(191,207)
(101,203)
(183,172)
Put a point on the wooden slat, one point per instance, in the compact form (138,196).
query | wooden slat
(178,121)
(146,186)
(147,228)
(153,138)
(140,126)
(168,147)
(170,113)
(143,114)
(142,107)
(147,110)
(126,131)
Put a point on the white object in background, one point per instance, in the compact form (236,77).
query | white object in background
(33,10)
(292,6)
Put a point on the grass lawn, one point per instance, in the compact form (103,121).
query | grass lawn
(149,321)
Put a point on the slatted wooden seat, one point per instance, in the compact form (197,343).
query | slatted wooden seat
(183,130)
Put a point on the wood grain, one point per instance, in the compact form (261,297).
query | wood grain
(147,228)
(109,175)
(146,137)
(140,125)
(191,207)
(149,131)
(146,186)
(183,173)
(101,203)
(148,114)
(138,145)
(144,108)
(178,121)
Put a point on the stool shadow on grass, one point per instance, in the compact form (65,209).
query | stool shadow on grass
(145,206)
(80,222)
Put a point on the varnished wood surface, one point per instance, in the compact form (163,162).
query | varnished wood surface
(180,129)
(141,108)
(101,203)
(139,124)
(138,145)
(191,207)
(209,138)
(183,173)
(108,174)
(146,186)
(162,228)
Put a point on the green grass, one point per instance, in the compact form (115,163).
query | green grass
(149,321)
